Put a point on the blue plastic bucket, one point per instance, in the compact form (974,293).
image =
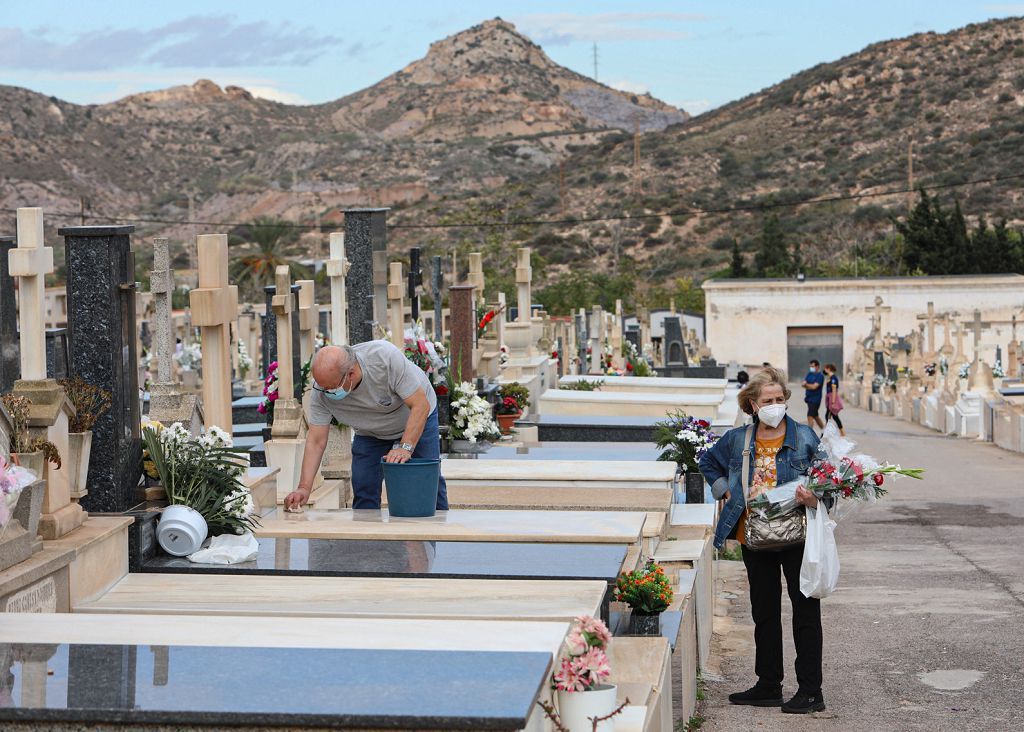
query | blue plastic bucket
(412,487)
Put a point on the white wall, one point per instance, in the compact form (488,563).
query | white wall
(747,320)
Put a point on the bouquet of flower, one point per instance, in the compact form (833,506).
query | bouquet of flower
(270,394)
(514,398)
(244,359)
(684,440)
(486,320)
(647,590)
(586,666)
(13,480)
(841,478)
(965,370)
(428,355)
(189,357)
(997,370)
(471,415)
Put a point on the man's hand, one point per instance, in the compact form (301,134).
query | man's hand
(397,455)
(296,499)
(806,497)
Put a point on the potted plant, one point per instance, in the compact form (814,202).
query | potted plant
(31,453)
(472,425)
(684,440)
(513,400)
(90,402)
(202,478)
(648,593)
(581,691)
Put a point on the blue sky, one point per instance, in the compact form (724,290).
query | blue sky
(696,55)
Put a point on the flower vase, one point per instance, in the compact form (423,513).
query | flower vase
(181,531)
(576,709)
(79,451)
(694,483)
(507,421)
(33,461)
(465,447)
(641,623)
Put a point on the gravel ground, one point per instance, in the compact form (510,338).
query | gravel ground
(926,631)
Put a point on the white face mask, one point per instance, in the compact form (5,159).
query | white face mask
(772,415)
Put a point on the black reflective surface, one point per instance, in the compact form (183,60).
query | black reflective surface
(442,559)
(269,686)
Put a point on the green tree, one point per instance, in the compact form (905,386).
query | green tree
(265,240)
(737,267)
(772,259)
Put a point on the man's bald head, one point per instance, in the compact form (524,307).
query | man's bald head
(332,364)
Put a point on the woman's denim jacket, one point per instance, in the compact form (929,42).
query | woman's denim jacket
(722,467)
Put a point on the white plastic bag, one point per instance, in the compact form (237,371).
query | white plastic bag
(228,549)
(819,571)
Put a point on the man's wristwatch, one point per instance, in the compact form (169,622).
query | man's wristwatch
(407,447)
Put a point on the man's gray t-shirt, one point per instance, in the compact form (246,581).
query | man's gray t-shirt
(376,407)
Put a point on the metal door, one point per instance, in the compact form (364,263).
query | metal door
(824,343)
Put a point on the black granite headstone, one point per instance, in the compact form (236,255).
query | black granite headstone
(101,335)
(296,342)
(323,324)
(436,285)
(58,364)
(880,364)
(365,232)
(10,365)
(268,348)
(633,336)
(673,346)
(415,279)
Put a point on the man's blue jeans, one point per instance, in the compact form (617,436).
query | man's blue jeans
(368,474)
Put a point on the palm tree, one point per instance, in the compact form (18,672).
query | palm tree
(254,270)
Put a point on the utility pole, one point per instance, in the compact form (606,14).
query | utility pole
(910,174)
(561,185)
(190,242)
(81,210)
(636,156)
(595,60)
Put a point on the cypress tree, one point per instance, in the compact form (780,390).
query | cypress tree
(737,267)
(772,259)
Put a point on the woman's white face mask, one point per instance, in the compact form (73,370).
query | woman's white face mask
(772,414)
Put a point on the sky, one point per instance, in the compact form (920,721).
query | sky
(695,55)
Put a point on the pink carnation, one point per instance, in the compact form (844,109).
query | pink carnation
(568,677)
(262,408)
(596,632)
(594,665)
(576,643)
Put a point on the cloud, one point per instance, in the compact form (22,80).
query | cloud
(217,41)
(564,28)
(277,95)
(633,87)
(1005,8)
(696,106)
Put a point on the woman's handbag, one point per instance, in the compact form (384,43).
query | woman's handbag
(833,402)
(763,534)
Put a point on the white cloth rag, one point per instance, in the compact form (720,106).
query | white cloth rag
(228,549)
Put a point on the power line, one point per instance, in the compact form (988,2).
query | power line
(737,208)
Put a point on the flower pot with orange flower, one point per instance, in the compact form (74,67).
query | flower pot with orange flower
(648,593)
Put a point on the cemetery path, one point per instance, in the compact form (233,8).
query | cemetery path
(927,629)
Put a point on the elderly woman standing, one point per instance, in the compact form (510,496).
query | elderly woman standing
(779,450)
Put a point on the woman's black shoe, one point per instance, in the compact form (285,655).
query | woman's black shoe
(804,703)
(758,696)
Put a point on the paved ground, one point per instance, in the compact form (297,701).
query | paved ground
(927,629)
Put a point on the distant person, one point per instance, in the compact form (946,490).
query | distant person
(742,378)
(833,402)
(813,387)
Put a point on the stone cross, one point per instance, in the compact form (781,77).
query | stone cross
(436,285)
(307,319)
(337,270)
(214,305)
(415,281)
(976,325)
(930,317)
(596,341)
(30,262)
(876,321)
(396,305)
(499,320)
(476,277)
(283,305)
(161,284)
(618,360)
(463,330)
(947,332)
(524,276)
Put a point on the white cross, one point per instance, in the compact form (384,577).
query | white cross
(337,269)
(30,262)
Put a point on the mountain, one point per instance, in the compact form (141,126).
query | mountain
(838,129)
(483,106)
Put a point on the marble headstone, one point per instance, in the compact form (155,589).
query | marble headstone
(101,329)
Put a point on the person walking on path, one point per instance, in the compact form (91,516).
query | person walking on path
(783,450)
(813,387)
(389,402)
(833,402)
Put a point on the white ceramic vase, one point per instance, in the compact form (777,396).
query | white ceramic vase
(80,449)
(577,708)
(181,531)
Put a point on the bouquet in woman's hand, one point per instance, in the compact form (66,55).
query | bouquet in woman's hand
(842,479)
